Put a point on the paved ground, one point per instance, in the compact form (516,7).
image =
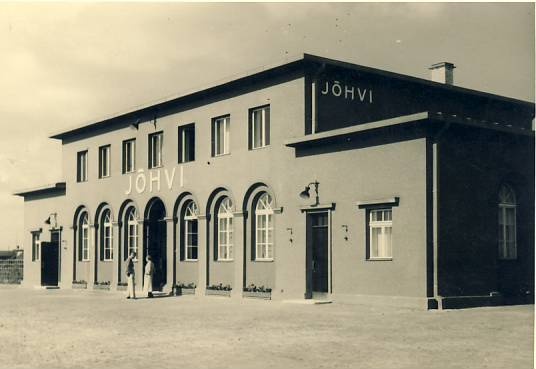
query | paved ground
(85,329)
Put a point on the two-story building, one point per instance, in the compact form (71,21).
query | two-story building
(315,179)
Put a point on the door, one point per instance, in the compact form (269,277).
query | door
(317,256)
(49,263)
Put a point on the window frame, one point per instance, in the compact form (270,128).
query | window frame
(36,245)
(225,218)
(190,215)
(129,146)
(105,153)
(82,166)
(182,152)
(226,119)
(507,205)
(158,154)
(107,236)
(131,216)
(84,237)
(265,127)
(268,214)
(382,225)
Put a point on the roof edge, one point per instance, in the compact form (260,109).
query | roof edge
(49,188)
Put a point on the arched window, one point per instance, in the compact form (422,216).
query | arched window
(106,236)
(507,223)
(131,231)
(83,238)
(225,230)
(190,231)
(264,228)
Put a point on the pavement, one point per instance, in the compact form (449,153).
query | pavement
(102,329)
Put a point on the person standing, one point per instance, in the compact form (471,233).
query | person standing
(148,277)
(131,276)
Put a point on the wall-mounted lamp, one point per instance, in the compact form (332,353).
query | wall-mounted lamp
(52,220)
(305,193)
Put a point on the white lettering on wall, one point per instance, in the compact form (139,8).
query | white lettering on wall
(139,181)
(336,89)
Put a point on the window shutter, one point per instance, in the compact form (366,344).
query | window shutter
(182,239)
(212,138)
(267,125)
(250,130)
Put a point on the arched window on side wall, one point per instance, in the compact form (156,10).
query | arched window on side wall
(190,229)
(225,230)
(106,236)
(507,223)
(83,237)
(131,231)
(264,228)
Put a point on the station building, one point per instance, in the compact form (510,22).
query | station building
(316,179)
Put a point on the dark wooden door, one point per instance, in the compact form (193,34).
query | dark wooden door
(319,247)
(49,263)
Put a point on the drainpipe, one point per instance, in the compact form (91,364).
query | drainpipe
(435,202)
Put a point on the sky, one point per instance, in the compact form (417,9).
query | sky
(67,64)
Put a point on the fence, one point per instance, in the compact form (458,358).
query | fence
(11,270)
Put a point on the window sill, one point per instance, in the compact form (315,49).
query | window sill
(155,167)
(107,261)
(130,172)
(259,148)
(380,259)
(224,260)
(220,155)
(189,260)
(105,177)
(264,260)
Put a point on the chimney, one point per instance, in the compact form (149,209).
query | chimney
(442,72)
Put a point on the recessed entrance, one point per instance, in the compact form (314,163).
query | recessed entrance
(50,260)
(155,244)
(317,253)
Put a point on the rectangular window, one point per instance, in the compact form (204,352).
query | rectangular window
(220,136)
(191,239)
(155,149)
(259,127)
(81,166)
(507,232)
(85,242)
(104,161)
(36,246)
(187,143)
(380,234)
(129,156)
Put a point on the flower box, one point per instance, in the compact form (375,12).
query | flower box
(224,293)
(181,291)
(121,287)
(101,287)
(257,295)
(79,286)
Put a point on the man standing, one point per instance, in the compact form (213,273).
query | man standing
(148,277)
(131,271)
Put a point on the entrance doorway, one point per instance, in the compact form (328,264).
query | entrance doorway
(317,253)
(155,244)
(50,260)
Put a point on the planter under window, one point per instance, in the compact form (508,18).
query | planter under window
(101,287)
(121,287)
(257,295)
(181,291)
(218,293)
(79,286)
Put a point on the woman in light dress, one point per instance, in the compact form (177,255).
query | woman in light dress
(148,277)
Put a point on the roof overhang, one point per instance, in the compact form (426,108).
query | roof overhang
(50,189)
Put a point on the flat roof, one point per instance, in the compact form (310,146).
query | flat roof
(49,188)
(291,64)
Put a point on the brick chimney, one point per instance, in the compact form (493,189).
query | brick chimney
(442,72)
